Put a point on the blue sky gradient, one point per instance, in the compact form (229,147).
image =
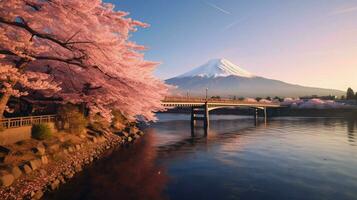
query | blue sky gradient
(307,42)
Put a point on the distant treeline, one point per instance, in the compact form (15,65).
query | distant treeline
(350,95)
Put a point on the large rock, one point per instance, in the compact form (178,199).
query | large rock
(55,184)
(123,134)
(27,169)
(78,168)
(120,139)
(2,158)
(136,136)
(7,179)
(61,139)
(43,172)
(94,139)
(101,139)
(4,151)
(61,179)
(35,164)
(65,151)
(68,175)
(38,195)
(141,133)
(53,148)
(132,129)
(70,149)
(44,160)
(16,172)
(39,149)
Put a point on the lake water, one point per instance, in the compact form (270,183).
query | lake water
(289,158)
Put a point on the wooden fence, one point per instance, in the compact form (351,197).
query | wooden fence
(26,121)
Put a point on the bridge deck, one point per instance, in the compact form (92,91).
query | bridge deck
(187,102)
(202,106)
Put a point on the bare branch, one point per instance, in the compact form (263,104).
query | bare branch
(33,6)
(73,61)
(34,32)
(74,35)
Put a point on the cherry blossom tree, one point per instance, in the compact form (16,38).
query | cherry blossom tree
(81,46)
(10,76)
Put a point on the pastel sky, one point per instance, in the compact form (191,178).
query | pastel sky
(307,42)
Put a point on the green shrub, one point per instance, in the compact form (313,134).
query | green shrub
(72,119)
(41,131)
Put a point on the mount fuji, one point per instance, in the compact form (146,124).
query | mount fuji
(223,78)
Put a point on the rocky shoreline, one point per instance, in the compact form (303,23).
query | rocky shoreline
(50,170)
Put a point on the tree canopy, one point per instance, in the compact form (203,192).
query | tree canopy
(350,94)
(81,47)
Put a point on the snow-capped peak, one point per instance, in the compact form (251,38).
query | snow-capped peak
(217,68)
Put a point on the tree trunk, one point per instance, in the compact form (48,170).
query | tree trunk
(6,96)
(3,102)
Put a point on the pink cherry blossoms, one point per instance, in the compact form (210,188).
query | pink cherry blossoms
(82,45)
(10,75)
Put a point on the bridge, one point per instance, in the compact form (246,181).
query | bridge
(200,107)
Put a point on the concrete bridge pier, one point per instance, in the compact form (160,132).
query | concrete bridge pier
(206,118)
(265,116)
(200,113)
(256,115)
(193,120)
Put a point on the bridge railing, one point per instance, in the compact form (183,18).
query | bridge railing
(213,100)
(190,99)
(26,121)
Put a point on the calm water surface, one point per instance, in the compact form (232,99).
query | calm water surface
(289,158)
